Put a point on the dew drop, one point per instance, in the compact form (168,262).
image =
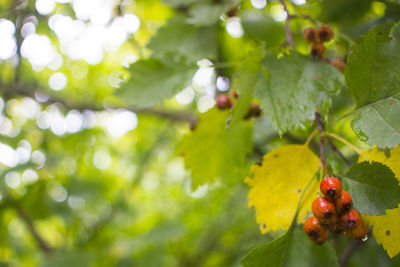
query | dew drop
(365,238)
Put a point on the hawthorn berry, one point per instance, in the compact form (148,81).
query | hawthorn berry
(338,63)
(234,93)
(311,35)
(254,111)
(315,230)
(358,232)
(317,49)
(331,187)
(324,210)
(325,33)
(344,202)
(233,12)
(351,219)
(223,101)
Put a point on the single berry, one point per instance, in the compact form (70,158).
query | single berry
(358,232)
(331,187)
(338,63)
(337,228)
(254,111)
(317,49)
(234,93)
(223,101)
(351,219)
(325,33)
(315,230)
(311,35)
(344,202)
(324,210)
(233,12)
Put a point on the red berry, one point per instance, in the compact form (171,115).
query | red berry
(315,230)
(358,232)
(223,101)
(325,33)
(311,35)
(351,219)
(317,49)
(324,210)
(234,93)
(344,202)
(331,187)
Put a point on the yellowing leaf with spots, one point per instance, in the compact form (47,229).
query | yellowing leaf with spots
(278,184)
(386,228)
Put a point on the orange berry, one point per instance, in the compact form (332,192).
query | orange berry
(344,202)
(331,187)
(324,210)
(311,35)
(351,219)
(325,33)
(317,49)
(358,232)
(315,230)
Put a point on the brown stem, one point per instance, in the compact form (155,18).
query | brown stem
(321,154)
(289,35)
(306,17)
(41,242)
(355,244)
(334,147)
(167,114)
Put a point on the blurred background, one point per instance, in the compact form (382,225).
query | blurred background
(87,180)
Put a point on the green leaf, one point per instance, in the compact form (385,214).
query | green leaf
(213,150)
(178,3)
(379,123)
(257,24)
(346,12)
(243,82)
(373,77)
(190,41)
(373,187)
(208,12)
(292,249)
(293,87)
(83,259)
(152,80)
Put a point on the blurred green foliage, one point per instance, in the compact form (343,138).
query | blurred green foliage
(85,184)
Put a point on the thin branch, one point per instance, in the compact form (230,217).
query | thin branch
(302,16)
(167,114)
(334,147)
(288,31)
(355,244)
(321,128)
(321,154)
(41,242)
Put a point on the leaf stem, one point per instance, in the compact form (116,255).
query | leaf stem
(300,200)
(311,137)
(288,31)
(344,141)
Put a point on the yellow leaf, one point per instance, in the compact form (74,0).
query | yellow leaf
(278,184)
(386,228)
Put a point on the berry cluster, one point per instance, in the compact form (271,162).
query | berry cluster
(316,38)
(225,101)
(333,212)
